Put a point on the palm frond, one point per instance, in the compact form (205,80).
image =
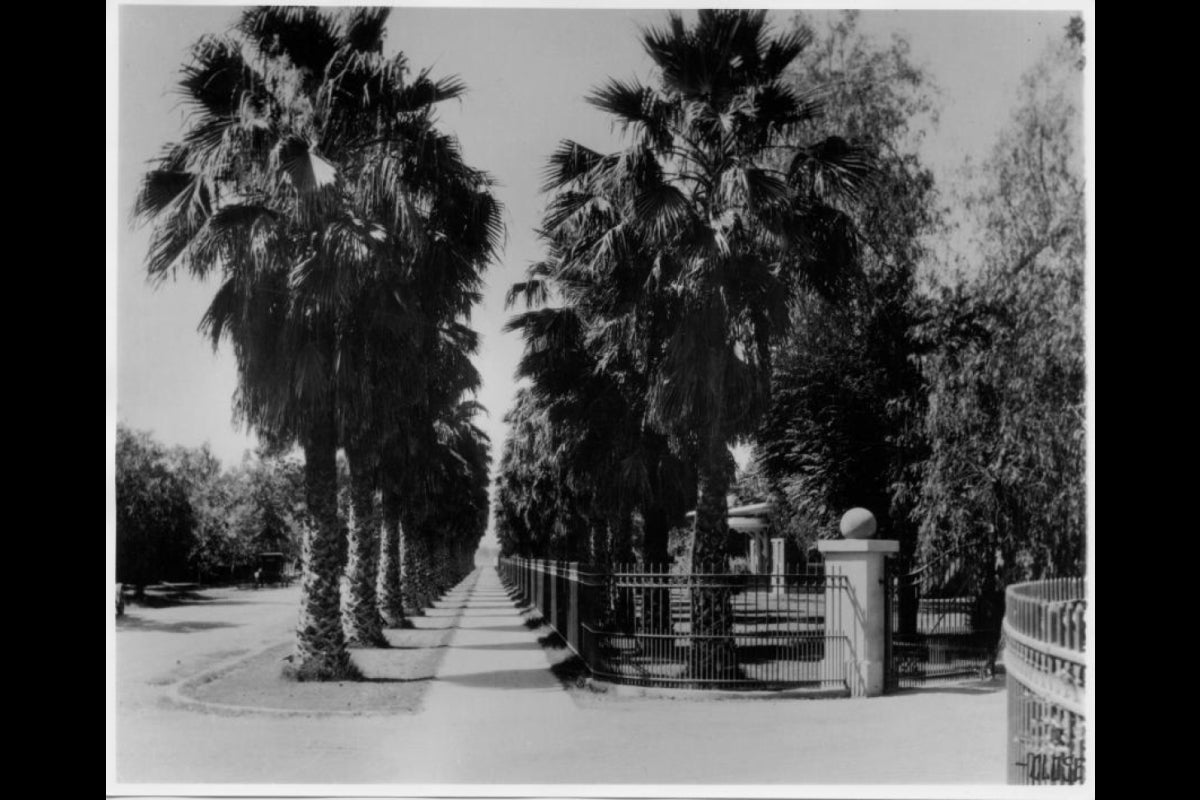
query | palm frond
(216,77)
(757,189)
(306,35)
(534,292)
(363,29)
(828,259)
(834,168)
(423,92)
(662,209)
(633,105)
(782,51)
(160,187)
(307,171)
(570,162)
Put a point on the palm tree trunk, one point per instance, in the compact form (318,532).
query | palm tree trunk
(601,563)
(360,615)
(320,652)
(441,567)
(622,556)
(714,655)
(391,596)
(656,607)
(417,569)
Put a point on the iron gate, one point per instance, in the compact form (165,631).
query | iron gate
(939,626)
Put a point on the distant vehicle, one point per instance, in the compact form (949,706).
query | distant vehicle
(271,565)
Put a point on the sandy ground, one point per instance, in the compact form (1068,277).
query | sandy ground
(496,715)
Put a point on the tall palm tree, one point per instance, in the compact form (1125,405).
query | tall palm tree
(408,339)
(412,452)
(290,185)
(595,385)
(716,239)
(390,589)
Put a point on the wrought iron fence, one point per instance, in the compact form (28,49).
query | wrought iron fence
(1045,639)
(939,627)
(648,625)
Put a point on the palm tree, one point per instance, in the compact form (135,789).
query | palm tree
(542,511)
(290,185)
(715,238)
(390,591)
(406,343)
(460,489)
(411,452)
(594,388)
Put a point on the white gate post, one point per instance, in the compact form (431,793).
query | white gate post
(856,599)
(777,567)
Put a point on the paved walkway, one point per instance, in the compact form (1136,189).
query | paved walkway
(494,705)
(495,714)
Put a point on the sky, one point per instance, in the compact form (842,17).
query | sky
(527,71)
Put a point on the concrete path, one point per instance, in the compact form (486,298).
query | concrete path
(493,695)
(495,714)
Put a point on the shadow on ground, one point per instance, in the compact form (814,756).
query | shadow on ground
(136,623)
(501,628)
(501,646)
(528,679)
(991,686)
(194,595)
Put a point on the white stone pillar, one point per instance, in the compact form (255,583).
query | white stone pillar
(856,602)
(777,581)
(755,553)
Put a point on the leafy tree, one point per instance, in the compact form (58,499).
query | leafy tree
(843,428)
(268,513)
(1003,490)
(718,237)
(155,520)
(216,546)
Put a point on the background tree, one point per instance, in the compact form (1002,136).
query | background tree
(1003,489)
(217,551)
(190,518)
(155,520)
(843,428)
(273,485)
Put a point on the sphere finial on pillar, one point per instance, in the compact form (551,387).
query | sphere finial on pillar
(857,523)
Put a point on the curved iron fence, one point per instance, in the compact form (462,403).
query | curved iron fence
(1045,638)
(649,626)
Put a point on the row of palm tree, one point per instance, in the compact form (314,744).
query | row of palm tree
(672,265)
(348,237)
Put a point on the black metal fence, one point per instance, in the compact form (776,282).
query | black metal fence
(1045,639)
(939,627)
(650,626)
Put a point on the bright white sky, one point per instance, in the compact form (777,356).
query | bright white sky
(528,72)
